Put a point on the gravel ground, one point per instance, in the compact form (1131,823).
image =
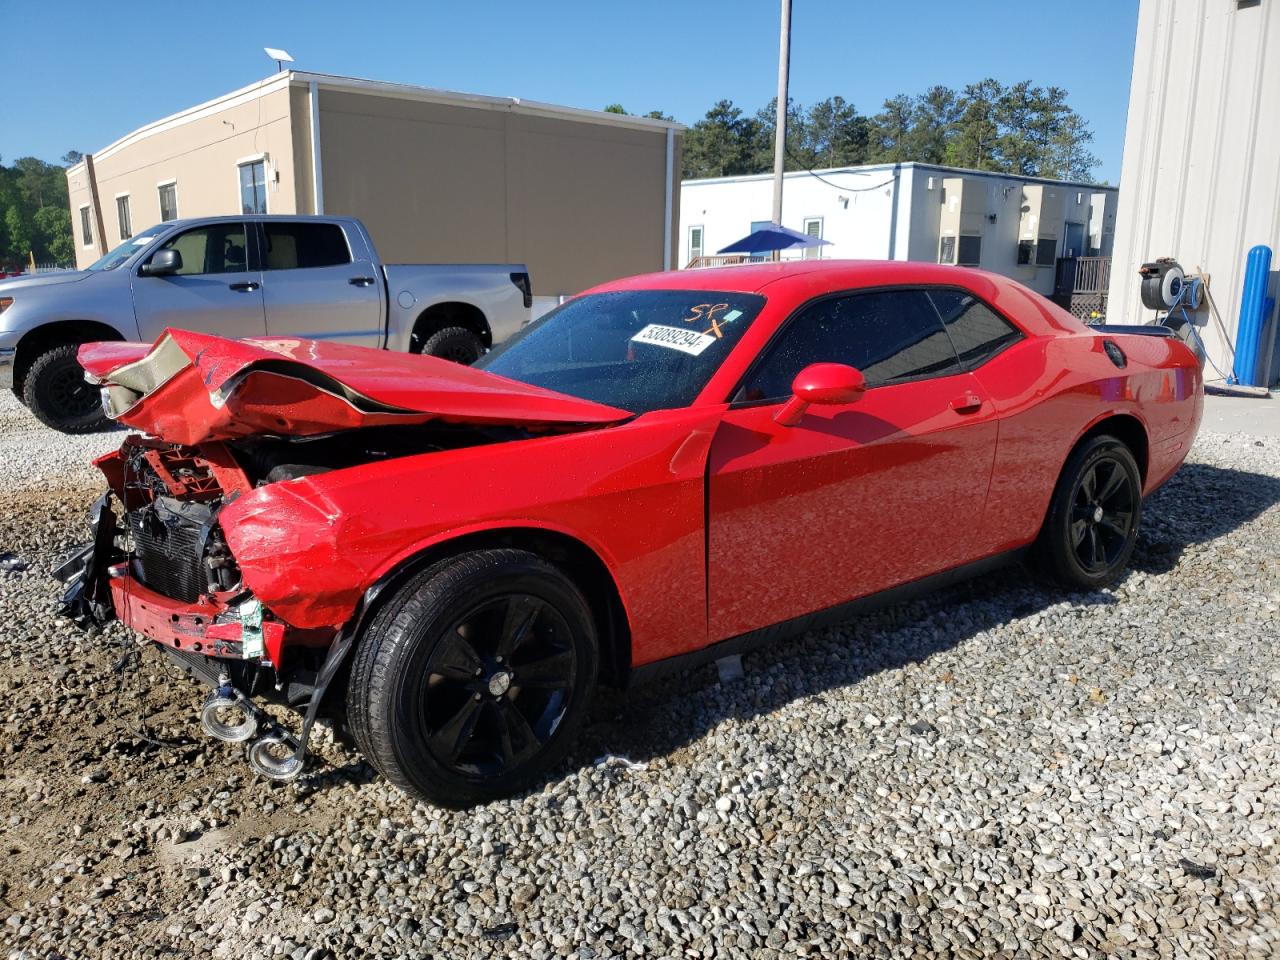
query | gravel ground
(998,771)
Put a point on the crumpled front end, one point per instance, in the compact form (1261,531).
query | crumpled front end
(159,561)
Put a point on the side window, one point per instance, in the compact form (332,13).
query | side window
(890,336)
(977,331)
(217,248)
(293,246)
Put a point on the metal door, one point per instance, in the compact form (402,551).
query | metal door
(214,291)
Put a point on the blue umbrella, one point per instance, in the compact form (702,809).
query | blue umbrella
(770,238)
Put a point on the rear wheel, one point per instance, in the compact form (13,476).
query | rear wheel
(454,343)
(474,678)
(1092,526)
(56,391)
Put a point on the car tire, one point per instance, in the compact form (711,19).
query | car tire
(55,390)
(475,676)
(1091,528)
(454,343)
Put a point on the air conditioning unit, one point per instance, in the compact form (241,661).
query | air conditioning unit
(961,221)
(1039,225)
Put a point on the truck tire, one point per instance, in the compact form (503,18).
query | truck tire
(56,391)
(474,678)
(454,343)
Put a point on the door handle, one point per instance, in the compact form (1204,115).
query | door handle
(967,403)
(247,286)
(361,281)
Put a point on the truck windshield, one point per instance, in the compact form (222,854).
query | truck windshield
(639,350)
(123,252)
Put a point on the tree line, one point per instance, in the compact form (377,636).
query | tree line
(1021,128)
(34,214)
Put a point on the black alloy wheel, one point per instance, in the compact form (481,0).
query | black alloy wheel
(1102,514)
(499,682)
(473,678)
(1091,528)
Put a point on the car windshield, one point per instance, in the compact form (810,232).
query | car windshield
(123,252)
(638,350)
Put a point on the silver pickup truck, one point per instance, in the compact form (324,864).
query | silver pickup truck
(250,276)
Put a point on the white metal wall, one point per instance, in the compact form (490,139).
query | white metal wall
(1201,170)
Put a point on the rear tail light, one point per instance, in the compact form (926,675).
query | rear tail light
(521,280)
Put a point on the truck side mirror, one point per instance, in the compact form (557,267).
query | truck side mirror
(163,263)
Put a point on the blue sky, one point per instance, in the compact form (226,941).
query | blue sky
(101,70)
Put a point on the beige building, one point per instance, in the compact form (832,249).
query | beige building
(580,196)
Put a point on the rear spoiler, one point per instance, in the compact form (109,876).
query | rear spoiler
(1142,330)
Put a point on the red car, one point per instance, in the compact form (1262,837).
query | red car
(663,471)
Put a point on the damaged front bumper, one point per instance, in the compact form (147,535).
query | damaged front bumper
(212,639)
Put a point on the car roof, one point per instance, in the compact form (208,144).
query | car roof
(795,281)
(754,277)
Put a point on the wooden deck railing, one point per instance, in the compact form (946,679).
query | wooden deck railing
(1093,275)
(717,260)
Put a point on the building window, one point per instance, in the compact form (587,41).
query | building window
(1046,251)
(1026,250)
(813,228)
(168,202)
(970,251)
(253,187)
(86,226)
(695,243)
(122,215)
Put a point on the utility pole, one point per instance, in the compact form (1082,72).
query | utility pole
(780,113)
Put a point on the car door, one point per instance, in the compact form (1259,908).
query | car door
(213,291)
(318,285)
(855,498)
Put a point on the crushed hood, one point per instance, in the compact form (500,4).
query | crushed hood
(191,388)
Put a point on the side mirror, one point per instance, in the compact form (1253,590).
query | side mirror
(821,383)
(163,263)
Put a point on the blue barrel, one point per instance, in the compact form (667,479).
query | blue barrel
(1253,316)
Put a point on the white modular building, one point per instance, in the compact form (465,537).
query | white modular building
(1021,227)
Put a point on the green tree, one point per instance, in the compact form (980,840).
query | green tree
(720,144)
(1069,149)
(36,219)
(834,134)
(799,155)
(18,233)
(976,132)
(933,121)
(891,130)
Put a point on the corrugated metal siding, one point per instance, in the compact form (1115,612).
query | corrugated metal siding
(1200,179)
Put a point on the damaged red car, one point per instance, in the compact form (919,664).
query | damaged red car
(662,471)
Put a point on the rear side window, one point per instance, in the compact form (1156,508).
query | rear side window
(293,246)
(890,336)
(977,331)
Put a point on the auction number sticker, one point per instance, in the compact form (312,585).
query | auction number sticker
(674,338)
